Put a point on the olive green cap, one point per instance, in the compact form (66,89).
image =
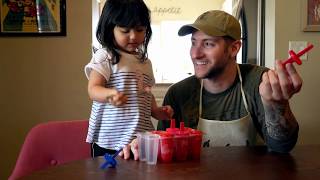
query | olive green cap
(214,23)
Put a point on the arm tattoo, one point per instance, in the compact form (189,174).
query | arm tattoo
(280,121)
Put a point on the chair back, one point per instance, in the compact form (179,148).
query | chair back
(50,144)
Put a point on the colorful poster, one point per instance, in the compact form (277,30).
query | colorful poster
(30,16)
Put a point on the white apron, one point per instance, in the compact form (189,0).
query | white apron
(239,132)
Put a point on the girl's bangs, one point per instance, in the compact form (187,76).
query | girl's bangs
(131,17)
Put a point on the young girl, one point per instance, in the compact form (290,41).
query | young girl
(120,77)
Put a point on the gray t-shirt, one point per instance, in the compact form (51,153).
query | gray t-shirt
(183,97)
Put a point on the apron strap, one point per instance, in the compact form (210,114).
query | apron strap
(200,101)
(242,91)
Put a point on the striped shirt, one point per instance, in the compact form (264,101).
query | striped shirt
(114,127)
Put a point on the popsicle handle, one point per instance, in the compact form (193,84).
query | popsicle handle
(296,57)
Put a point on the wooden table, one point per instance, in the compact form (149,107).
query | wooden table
(217,163)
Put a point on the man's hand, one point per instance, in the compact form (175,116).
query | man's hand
(279,85)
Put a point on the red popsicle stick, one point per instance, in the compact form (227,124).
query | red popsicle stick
(295,57)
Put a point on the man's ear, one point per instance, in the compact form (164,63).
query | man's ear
(235,47)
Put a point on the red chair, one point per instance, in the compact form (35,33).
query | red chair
(50,144)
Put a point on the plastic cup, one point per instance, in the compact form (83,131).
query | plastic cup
(195,141)
(142,145)
(159,150)
(152,142)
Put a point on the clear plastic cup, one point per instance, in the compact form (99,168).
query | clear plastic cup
(152,143)
(142,145)
(159,147)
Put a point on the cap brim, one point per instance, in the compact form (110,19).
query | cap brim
(186,29)
(190,28)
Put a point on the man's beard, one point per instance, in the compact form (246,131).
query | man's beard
(214,72)
(217,71)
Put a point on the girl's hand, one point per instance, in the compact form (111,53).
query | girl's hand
(130,149)
(168,112)
(163,113)
(117,98)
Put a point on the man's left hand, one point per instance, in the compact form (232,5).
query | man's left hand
(279,85)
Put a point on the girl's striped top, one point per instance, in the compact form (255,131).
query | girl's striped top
(114,127)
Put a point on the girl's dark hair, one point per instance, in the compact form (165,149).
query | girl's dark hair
(123,13)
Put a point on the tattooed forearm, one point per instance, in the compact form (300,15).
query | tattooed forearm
(280,121)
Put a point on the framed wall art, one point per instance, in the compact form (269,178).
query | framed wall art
(33,17)
(310,15)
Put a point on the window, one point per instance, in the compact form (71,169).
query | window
(168,52)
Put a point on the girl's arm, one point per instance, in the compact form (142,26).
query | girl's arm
(160,113)
(98,92)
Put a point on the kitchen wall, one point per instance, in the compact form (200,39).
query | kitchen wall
(42,80)
(284,25)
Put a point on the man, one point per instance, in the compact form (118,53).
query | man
(232,104)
